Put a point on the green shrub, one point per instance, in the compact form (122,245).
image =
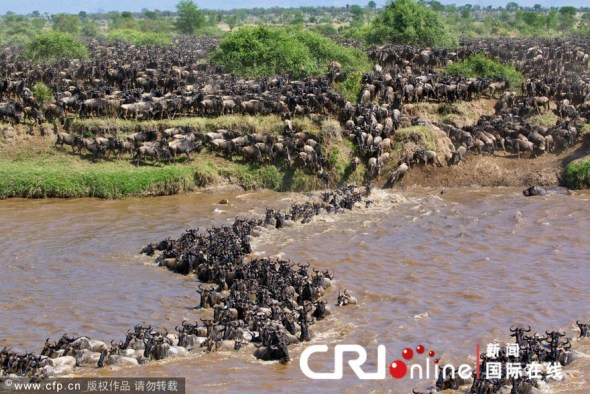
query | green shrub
(479,65)
(577,174)
(408,22)
(136,37)
(42,93)
(351,87)
(53,46)
(265,51)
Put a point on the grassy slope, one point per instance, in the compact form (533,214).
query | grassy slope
(32,167)
(577,174)
(245,124)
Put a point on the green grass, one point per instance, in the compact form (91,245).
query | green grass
(577,173)
(39,180)
(547,119)
(427,134)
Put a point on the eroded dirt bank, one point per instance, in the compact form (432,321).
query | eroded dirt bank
(500,170)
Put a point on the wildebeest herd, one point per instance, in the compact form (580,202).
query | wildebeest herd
(259,304)
(553,348)
(155,83)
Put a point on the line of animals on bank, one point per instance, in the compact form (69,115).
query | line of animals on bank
(292,147)
(553,347)
(262,305)
(507,133)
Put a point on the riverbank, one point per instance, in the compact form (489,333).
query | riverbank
(31,167)
(567,168)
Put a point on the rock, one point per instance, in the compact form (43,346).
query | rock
(225,201)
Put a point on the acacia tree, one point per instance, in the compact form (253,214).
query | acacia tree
(407,22)
(190,18)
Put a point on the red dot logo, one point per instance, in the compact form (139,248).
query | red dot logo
(436,361)
(419,349)
(407,353)
(398,369)
(431,353)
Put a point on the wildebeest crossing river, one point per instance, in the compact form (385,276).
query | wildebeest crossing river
(447,271)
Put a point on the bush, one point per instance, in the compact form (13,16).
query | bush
(136,37)
(479,65)
(53,46)
(577,174)
(42,93)
(351,88)
(264,51)
(407,22)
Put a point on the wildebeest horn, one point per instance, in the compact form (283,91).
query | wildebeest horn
(511,330)
(529,330)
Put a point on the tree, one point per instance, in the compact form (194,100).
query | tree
(150,14)
(406,22)
(232,21)
(190,18)
(66,23)
(537,7)
(357,14)
(436,5)
(512,6)
(372,5)
(568,11)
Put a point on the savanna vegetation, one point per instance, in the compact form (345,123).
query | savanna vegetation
(480,65)
(427,22)
(264,51)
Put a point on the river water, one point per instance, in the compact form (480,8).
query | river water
(446,271)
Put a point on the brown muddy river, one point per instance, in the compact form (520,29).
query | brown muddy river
(444,271)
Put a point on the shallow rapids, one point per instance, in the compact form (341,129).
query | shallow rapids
(447,271)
